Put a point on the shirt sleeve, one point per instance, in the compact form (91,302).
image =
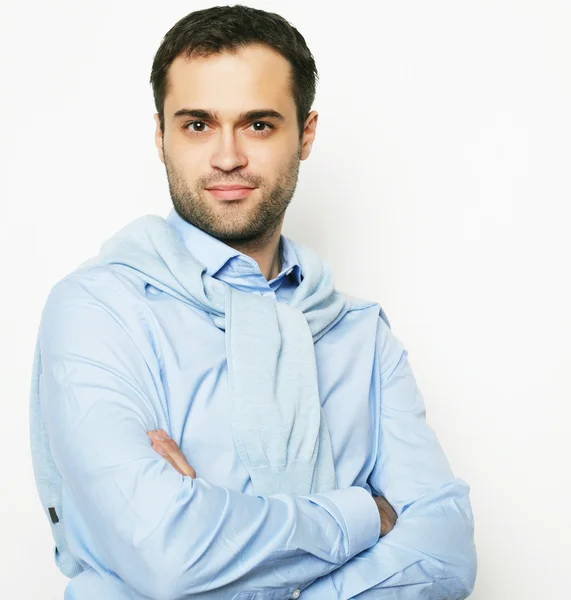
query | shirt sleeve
(430,553)
(166,535)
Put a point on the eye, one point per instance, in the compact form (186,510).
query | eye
(199,127)
(190,127)
(267,127)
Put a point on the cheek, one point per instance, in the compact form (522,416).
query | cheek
(185,151)
(187,154)
(268,162)
(188,163)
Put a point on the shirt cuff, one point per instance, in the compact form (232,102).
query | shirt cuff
(361,516)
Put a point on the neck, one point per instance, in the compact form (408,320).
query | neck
(266,251)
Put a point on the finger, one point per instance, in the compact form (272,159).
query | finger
(160,449)
(173,451)
(165,455)
(177,458)
(159,434)
(169,450)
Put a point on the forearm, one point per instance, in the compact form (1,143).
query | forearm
(429,554)
(165,535)
(216,540)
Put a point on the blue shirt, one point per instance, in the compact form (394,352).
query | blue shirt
(120,359)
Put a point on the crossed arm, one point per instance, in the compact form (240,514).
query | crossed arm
(162,443)
(172,536)
(430,554)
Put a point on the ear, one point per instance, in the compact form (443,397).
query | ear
(308,134)
(159,137)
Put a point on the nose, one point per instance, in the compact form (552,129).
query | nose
(228,155)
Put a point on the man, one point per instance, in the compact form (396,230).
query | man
(285,472)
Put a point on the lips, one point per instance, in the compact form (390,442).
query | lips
(230,187)
(230,192)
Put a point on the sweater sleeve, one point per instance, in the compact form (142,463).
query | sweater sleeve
(165,535)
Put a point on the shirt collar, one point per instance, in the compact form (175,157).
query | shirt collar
(214,254)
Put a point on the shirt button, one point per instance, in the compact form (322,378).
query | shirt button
(296,594)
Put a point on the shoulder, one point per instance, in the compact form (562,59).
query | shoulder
(390,350)
(98,280)
(93,297)
(370,321)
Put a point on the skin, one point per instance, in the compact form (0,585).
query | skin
(225,148)
(228,150)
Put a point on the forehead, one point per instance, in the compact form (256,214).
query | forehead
(254,76)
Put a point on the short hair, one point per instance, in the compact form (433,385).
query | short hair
(226,29)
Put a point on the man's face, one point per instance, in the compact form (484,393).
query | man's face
(228,147)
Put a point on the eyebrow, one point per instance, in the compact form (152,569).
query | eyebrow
(211,115)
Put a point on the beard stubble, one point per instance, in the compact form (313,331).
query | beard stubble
(238,221)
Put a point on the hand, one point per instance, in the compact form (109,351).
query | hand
(168,448)
(387,513)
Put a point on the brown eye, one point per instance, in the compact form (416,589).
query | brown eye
(266,127)
(196,126)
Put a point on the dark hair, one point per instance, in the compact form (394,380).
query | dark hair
(227,28)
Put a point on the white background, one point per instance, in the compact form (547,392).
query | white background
(438,186)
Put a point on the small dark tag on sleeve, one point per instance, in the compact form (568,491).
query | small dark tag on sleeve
(53,514)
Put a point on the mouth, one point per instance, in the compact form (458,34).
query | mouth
(230,192)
